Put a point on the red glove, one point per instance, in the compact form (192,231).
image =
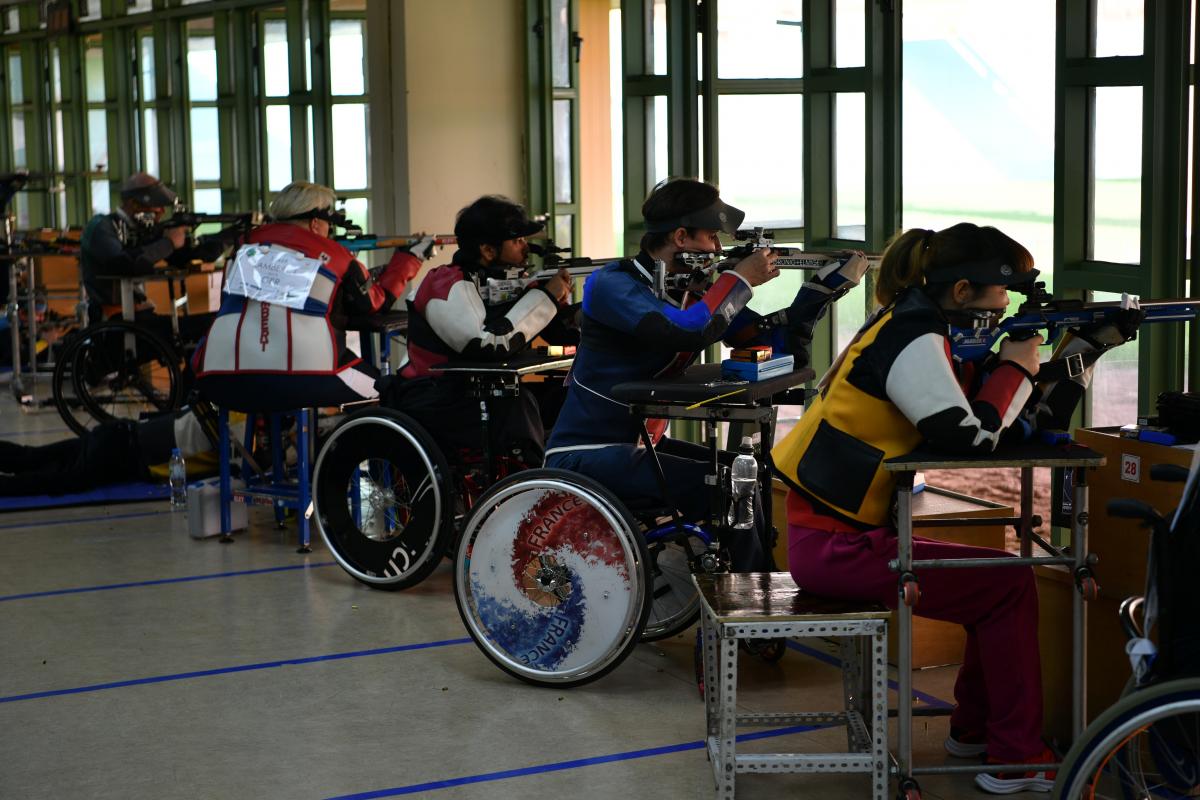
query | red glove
(401,269)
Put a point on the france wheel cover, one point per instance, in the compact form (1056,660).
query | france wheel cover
(550,584)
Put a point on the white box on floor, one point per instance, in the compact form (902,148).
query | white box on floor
(204,509)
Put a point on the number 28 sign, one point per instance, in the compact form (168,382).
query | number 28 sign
(1131,468)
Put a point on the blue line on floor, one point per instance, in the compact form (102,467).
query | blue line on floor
(40,523)
(559,766)
(96,687)
(928,699)
(160,581)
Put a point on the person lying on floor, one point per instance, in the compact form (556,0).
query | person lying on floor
(115,452)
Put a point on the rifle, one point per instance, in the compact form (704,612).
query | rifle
(498,290)
(1041,311)
(373,241)
(703,264)
(238,226)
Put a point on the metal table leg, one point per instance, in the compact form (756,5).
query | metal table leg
(904,617)
(1079,526)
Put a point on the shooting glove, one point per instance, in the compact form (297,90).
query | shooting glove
(1118,329)
(422,249)
(400,269)
(825,287)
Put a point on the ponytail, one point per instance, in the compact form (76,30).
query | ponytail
(903,264)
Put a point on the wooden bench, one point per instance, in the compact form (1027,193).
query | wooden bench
(767,605)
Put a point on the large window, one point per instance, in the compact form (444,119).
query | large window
(227,102)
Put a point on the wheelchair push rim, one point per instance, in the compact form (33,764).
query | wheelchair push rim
(550,578)
(380,499)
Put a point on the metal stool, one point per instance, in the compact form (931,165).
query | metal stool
(760,605)
(277,490)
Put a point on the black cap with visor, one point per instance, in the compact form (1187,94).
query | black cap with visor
(720,216)
(988,272)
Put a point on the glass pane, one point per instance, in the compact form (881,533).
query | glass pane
(660,139)
(1119,28)
(21,208)
(357,211)
(90,9)
(206,145)
(275,58)
(279,147)
(16,82)
(146,47)
(770,194)
(312,149)
(97,121)
(20,159)
(1116,194)
(139,6)
(206,201)
(850,170)
(350,146)
(60,149)
(150,132)
(346,52)
(562,151)
(658,37)
(55,74)
(560,44)
(760,39)
(93,64)
(60,209)
(101,202)
(563,234)
(1115,381)
(201,60)
(978,127)
(850,47)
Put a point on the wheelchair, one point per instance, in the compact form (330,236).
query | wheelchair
(390,505)
(1148,743)
(556,579)
(121,369)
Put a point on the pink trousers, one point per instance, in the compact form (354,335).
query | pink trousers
(999,686)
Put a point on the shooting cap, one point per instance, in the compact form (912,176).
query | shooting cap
(493,219)
(988,272)
(720,216)
(144,188)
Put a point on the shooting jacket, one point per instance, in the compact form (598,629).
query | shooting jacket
(112,244)
(253,337)
(628,334)
(448,319)
(894,386)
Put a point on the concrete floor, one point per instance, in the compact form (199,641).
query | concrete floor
(138,663)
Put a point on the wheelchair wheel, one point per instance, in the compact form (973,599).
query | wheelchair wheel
(120,371)
(382,500)
(62,388)
(674,601)
(1146,745)
(550,577)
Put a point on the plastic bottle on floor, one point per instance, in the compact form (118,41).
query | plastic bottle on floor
(744,474)
(177,474)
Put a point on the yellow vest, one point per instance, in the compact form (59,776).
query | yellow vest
(837,449)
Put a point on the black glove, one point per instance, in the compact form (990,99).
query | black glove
(1119,328)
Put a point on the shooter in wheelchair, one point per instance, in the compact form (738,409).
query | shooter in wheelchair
(559,572)
(128,359)
(391,481)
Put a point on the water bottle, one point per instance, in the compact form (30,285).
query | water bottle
(744,477)
(177,475)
